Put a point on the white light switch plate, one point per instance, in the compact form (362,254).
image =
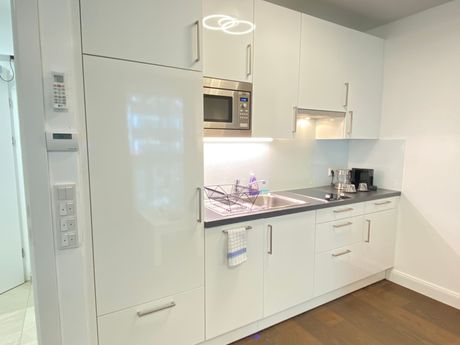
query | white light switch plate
(66,216)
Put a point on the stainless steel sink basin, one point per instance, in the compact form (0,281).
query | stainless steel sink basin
(272,201)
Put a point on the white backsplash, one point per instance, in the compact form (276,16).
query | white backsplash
(284,164)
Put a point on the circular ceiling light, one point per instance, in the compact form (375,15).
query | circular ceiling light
(228,24)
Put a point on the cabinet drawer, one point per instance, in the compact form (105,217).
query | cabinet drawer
(380,205)
(339,267)
(181,324)
(339,212)
(338,233)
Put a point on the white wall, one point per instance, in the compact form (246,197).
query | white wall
(420,103)
(6,35)
(284,164)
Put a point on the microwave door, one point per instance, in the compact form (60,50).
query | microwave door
(218,109)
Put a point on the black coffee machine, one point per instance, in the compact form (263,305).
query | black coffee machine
(363,176)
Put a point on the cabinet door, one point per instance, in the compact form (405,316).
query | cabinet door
(324,65)
(276,70)
(233,294)
(289,261)
(366,83)
(145,162)
(153,31)
(379,239)
(227,55)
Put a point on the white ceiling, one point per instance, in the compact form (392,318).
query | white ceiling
(360,14)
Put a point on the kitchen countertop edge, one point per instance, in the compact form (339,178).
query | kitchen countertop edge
(222,220)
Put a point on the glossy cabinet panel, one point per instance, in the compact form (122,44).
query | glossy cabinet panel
(339,233)
(153,31)
(145,162)
(289,261)
(339,212)
(174,320)
(276,70)
(234,295)
(226,55)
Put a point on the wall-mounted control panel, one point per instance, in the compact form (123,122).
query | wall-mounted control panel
(61,141)
(59,92)
(66,216)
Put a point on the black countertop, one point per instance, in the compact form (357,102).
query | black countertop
(213,219)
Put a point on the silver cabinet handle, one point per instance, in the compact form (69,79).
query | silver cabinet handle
(294,120)
(368,230)
(149,311)
(347,89)
(249,59)
(198,41)
(199,219)
(342,225)
(350,128)
(348,251)
(382,203)
(270,240)
(247,228)
(343,210)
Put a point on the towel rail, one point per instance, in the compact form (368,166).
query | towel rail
(247,228)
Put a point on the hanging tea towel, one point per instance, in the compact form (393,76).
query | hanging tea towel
(237,246)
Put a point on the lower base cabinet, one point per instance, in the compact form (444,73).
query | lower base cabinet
(289,261)
(234,295)
(175,320)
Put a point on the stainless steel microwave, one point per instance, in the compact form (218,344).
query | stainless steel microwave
(227,107)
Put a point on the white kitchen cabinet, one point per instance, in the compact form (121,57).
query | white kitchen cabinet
(234,295)
(276,70)
(338,233)
(379,240)
(289,261)
(144,127)
(324,65)
(366,86)
(228,55)
(152,31)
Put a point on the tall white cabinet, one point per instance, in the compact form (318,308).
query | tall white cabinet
(145,162)
(228,55)
(161,32)
(276,70)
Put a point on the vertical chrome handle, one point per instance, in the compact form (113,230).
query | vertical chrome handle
(199,219)
(347,89)
(198,39)
(248,59)
(350,128)
(294,120)
(270,239)
(368,230)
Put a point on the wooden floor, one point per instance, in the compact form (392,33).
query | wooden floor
(380,314)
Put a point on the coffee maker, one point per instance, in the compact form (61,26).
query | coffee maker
(363,179)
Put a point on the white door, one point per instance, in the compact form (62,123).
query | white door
(11,263)
(289,261)
(366,86)
(379,239)
(153,31)
(276,70)
(145,161)
(234,295)
(324,65)
(228,55)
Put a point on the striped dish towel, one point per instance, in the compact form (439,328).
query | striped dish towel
(237,246)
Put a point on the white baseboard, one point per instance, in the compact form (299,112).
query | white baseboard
(431,290)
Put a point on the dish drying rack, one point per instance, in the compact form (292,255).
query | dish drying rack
(231,198)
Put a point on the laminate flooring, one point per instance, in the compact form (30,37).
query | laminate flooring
(380,314)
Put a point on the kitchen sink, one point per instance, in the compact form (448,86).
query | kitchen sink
(271,201)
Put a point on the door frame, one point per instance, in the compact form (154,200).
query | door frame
(31,109)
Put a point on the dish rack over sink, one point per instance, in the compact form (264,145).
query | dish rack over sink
(230,198)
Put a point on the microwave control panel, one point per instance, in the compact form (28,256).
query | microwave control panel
(244,108)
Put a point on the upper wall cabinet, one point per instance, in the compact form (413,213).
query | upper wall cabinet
(152,31)
(365,86)
(276,70)
(228,39)
(341,70)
